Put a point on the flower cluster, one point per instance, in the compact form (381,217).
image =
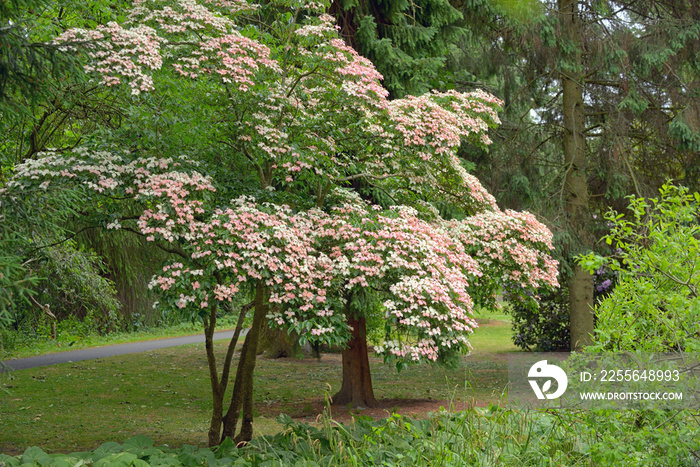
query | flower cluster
(513,246)
(119,54)
(233,57)
(441,120)
(311,261)
(310,106)
(173,194)
(184,15)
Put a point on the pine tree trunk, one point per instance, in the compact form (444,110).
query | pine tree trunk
(356,389)
(575,182)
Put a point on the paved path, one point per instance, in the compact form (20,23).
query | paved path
(109,351)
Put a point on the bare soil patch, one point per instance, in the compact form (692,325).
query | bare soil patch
(310,409)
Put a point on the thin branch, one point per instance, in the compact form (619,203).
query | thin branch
(59,242)
(687,283)
(45,308)
(173,250)
(634,178)
(300,77)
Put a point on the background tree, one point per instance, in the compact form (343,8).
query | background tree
(408,42)
(46,101)
(584,77)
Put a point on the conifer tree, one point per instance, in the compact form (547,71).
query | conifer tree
(600,102)
(408,41)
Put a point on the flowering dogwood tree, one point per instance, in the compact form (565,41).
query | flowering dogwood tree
(308,116)
(426,273)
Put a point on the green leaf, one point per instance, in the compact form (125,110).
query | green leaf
(139,441)
(35,455)
(9,460)
(125,459)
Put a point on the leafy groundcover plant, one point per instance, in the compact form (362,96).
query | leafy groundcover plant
(480,436)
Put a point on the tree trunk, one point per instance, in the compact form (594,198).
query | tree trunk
(581,308)
(218,386)
(356,390)
(242,397)
(278,343)
(575,181)
(217,396)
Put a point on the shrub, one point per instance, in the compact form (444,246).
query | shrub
(71,287)
(541,323)
(655,305)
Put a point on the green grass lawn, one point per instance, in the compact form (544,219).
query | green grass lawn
(165,394)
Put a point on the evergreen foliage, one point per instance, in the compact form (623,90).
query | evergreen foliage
(640,80)
(26,63)
(408,41)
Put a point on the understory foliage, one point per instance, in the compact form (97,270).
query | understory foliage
(74,286)
(541,323)
(306,116)
(45,276)
(654,306)
(479,436)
